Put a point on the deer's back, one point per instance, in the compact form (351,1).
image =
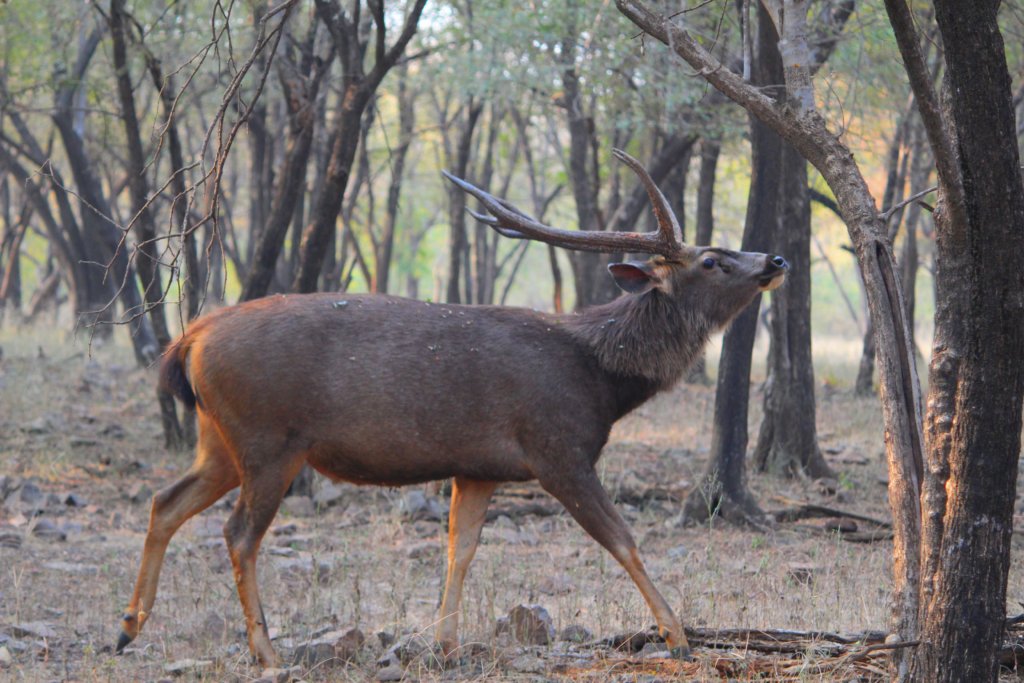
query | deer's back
(371,386)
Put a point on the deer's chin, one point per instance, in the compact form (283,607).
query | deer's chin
(769,283)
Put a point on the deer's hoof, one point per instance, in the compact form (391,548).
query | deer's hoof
(122,642)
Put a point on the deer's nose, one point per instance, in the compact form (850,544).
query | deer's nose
(779,263)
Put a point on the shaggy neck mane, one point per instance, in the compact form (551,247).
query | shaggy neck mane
(647,336)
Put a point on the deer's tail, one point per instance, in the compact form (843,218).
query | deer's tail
(173,377)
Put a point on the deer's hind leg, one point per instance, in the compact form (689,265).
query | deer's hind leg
(267,474)
(466,519)
(211,476)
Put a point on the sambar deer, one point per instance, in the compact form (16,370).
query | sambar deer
(389,391)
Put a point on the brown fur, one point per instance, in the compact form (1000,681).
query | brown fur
(388,391)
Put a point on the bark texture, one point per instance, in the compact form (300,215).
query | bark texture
(977,373)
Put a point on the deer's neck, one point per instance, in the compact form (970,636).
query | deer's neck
(647,339)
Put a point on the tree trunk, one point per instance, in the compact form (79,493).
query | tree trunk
(709,152)
(723,490)
(145,228)
(457,200)
(787,443)
(973,424)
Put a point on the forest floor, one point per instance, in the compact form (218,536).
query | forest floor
(81,454)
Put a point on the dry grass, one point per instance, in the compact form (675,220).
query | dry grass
(101,438)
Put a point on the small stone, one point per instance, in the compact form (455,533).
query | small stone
(278,675)
(528,664)
(678,552)
(139,492)
(74,500)
(5,657)
(40,425)
(528,624)
(284,529)
(10,539)
(329,494)
(340,645)
(46,529)
(187,666)
(415,505)
(574,633)
(406,649)
(392,672)
(421,550)
(655,651)
(82,442)
(298,506)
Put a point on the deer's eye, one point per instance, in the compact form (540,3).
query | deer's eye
(709,263)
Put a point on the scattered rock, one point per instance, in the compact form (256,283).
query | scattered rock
(528,664)
(74,500)
(827,486)
(574,633)
(114,431)
(27,498)
(72,568)
(654,650)
(406,649)
(298,506)
(416,505)
(340,645)
(280,675)
(528,624)
(421,550)
(40,425)
(678,552)
(329,494)
(32,629)
(10,539)
(188,666)
(284,529)
(5,657)
(392,672)
(139,492)
(46,529)
(82,442)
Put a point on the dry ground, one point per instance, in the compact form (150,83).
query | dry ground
(84,422)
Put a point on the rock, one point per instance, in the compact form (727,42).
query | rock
(528,624)
(5,657)
(40,425)
(329,494)
(82,442)
(415,505)
(421,550)
(74,500)
(574,633)
(188,666)
(280,675)
(406,649)
(392,672)
(284,529)
(10,539)
(298,506)
(678,552)
(528,664)
(655,651)
(32,629)
(27,497)
(340,645)
(139,492)
(72,568)
(46,529)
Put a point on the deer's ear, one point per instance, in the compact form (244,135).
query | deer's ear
(635,277)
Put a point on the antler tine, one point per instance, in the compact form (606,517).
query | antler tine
(668,224)
(509,221)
